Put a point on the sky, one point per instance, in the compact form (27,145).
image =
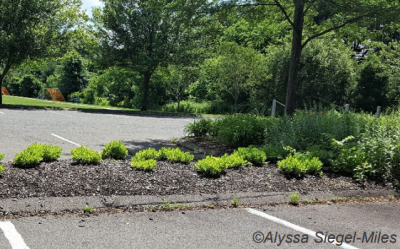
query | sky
(88,4)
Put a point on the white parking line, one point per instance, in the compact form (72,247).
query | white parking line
(15,239)
(295,227)
(66,140)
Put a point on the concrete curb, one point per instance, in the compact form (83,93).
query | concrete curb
(99,202)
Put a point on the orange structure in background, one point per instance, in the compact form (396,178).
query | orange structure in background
(54,94)
(4,91)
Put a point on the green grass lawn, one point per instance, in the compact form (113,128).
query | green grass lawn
(12,101)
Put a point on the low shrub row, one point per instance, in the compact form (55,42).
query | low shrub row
(1,166)
(36,153)
(146,159)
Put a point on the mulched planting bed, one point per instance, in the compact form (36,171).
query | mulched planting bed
(62,179)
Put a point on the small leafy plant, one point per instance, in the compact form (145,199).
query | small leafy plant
(84,155)
(1,166)
(115,150)
(143,164)
(88,209)
(234,161)
(294,199)
(235,202)
(300,164)
(212,166)
(174,155)
(146,154)
(252,154)
(200,128)
(36,153)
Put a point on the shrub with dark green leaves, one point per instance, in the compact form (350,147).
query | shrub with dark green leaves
(252,154)
(115,150)
(200,128)
(84,155)
(300,164)
(274,153)
(36,153)
(143,164)
(174,155)
(211,166)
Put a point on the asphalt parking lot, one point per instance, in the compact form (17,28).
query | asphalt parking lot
(226,228)
(68,129)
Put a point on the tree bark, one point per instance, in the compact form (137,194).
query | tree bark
(146,86)
(298,23)
(1,93)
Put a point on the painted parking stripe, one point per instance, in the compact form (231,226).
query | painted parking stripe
(15,239)
(294,227)
(66,140)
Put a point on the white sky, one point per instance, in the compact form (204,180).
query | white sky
(88,4)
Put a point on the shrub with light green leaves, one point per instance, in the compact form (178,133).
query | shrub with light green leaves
(114,150)
(234,161)
(143,164)
(36,153)
(174,155)
(252,154)
(146,154)
(84,155)
(300,164)
(212,166)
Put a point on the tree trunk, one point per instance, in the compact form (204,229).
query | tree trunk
(179,101)
(298,22)
(146,86)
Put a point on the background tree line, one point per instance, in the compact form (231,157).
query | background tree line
(202,56)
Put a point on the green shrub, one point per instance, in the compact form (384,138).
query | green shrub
(234,161)
(252,154)
(115,150)
(146,154)
(294,199)
(242,129)
(212,166)
(143,164)
(84,155)
(200,128)
(1,166)
(51,152)
(274,153)
(300,164)
(174,155)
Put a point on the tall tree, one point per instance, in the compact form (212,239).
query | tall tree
(28,28)
(311,19)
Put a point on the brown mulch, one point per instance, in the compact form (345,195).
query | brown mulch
(62,179)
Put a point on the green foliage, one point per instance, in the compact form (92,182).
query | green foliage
(294,199)
(73,76)
(200,128)
(252,154)
(1,166)
(115,150)
(146,154)
(29,86)
(242,129)
(187,106)
(234,161)
(211,166)
(88,209)
(235,202)
(274,153)
(84,155)
(174,155)
(300,164)
(143,164)
(36,153)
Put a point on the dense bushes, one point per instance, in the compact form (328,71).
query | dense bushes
(300,164)
(84,155)
(114,150)
(36,153)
